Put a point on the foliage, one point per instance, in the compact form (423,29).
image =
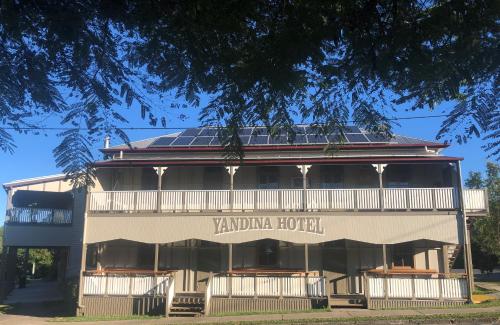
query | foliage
(486,231)
(259,62)
(43,259)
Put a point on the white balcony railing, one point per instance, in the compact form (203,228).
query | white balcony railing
(38,216)
(268,286)
(124,285)
(415,287)
(288,200)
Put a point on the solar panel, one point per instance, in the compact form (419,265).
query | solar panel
(334,138)
(244,139)
(201,141)
(208,132)
(278,140)
(209,136)
(299,130)
(182,141)
(299,139)
(163,141)
(258,139)
(316,138)
(259,131)
(215,142)
(377,137)
(311,130)
(190,132)
(352,129)
(356,137)
(245,131)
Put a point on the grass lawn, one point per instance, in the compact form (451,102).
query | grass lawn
(419,319)
(482,291)
(101,318)
(271,312)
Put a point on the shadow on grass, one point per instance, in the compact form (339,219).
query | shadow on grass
(42,309)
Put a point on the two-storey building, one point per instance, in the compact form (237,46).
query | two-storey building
(172,226)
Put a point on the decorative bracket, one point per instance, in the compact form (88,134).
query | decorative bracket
(231,169)
(379,167)
(160,170)
(304,169)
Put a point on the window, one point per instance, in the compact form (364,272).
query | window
(268,252)
(268,177)
(403,256)
(213,178)
(332,176)
(398,175)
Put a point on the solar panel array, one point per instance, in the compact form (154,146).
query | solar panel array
(256,136)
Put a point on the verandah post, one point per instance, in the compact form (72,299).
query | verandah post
(231,170)
(465,235)
(306,267)
(157,253)
(230,271)
(384,257)
(159,170)
(380,170)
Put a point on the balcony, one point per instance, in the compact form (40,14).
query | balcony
(39,216)
(365,199)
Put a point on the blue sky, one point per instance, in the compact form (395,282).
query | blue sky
(33,156)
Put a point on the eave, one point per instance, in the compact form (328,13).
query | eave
(274,148)
(257,162)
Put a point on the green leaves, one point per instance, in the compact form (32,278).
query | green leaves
(257,62)
(486,230)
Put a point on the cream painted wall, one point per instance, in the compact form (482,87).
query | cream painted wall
(247,177)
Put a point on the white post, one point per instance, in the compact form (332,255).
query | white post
(159,171)
(304,169)
(380,170)
(231,170)
(466,239)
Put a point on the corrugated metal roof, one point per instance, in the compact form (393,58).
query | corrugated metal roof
(259,136)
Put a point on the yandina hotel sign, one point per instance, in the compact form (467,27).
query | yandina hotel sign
(224,225)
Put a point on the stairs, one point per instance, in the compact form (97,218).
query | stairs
(187,304)
(347,301)
(453,251)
